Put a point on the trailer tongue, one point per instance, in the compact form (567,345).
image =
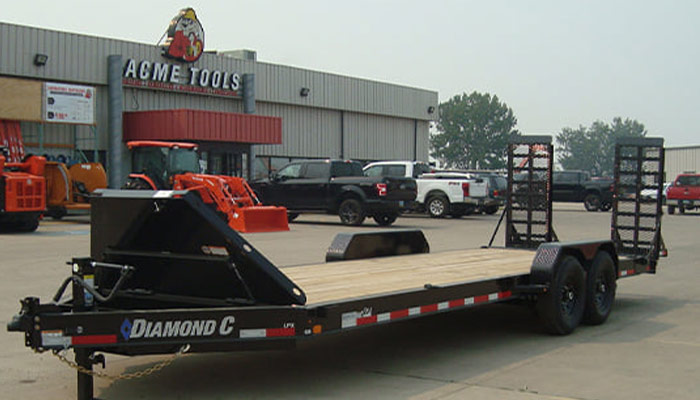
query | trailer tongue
(167,275)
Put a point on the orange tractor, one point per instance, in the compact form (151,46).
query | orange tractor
(22,183)
(175,166)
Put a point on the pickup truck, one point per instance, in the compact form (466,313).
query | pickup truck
(439,195)
(336,187)
(684,193)
(577,186)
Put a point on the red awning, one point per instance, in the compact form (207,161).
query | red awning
(202,126)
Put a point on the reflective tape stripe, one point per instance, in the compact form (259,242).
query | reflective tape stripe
(355,318)
(266,332)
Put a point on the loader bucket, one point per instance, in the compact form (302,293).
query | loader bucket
(259,219)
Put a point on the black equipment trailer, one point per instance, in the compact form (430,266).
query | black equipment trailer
(166,275)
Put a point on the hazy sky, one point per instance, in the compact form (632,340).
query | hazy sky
(555,63)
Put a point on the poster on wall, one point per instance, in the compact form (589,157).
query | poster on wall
(69,104)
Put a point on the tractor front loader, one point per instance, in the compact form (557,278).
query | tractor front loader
(175,166)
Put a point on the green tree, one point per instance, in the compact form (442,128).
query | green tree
(473,132)
(593,149)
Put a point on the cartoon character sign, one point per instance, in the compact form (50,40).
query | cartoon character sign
(185,37)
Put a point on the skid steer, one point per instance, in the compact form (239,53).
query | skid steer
(158,165)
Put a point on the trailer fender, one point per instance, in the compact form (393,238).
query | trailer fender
(353,246)
(549,255)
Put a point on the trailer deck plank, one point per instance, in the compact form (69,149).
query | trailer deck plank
(344,280)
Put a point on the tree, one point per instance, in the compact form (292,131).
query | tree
(473,132)
(593,149)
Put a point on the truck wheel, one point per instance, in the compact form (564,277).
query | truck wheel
(605,206)
(600,289)
(561,308)
(351,212)
(671,210)
(490,210)
(681,209)
(591,202)
(291,216)
(438,206)
(385,219)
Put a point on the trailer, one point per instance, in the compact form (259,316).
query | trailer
(166,275)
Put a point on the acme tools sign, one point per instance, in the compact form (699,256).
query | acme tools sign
(185,43)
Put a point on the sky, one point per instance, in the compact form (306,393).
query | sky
(555,63)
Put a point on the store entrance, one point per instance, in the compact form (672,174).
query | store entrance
(225,159)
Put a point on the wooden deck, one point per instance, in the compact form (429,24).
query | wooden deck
(358,278)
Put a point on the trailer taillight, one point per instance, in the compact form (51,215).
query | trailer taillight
(381,189)
(465,189)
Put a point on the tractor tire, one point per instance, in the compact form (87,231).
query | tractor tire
(351,212)
(591,202)
(561,308)
(671,210)
(438,206)
(57,212)
(27,225)
(385,219)
(600,289)
(136,184)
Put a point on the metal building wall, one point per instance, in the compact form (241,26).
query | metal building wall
(373,137)
(681,159)
(380,118)
(306,132)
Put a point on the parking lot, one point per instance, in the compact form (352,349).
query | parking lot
(648,349)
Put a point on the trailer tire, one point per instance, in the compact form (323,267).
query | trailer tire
(351,212)
(438,206)
(601,285)
(385,219)
(561,308)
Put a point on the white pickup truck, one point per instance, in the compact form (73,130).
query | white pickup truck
(438,195)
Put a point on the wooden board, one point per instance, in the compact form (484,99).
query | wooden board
(358,278)
(20,99)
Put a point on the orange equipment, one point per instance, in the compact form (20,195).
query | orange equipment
(22,184)
(70,188)
(172,165)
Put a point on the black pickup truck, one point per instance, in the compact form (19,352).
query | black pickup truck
(575,186)
(336,187)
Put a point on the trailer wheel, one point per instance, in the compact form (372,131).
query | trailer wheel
(385,219)
(600,289)
(562,307)
(438,206)
(351,212)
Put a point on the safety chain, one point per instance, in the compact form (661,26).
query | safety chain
(61,355)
